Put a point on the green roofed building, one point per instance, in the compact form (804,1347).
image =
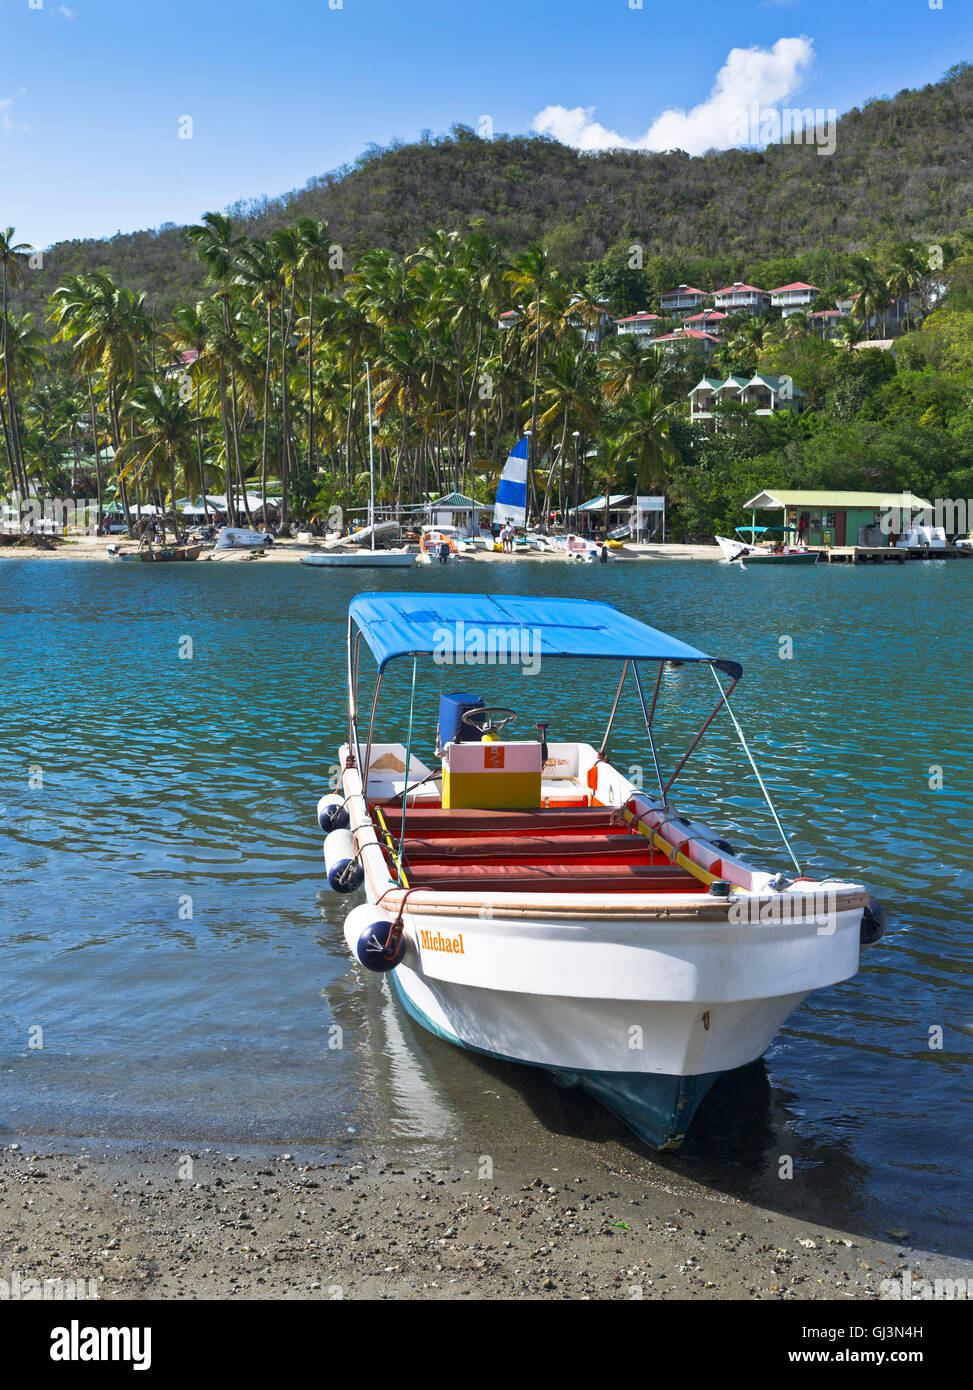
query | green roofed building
(838,518)
(765,394)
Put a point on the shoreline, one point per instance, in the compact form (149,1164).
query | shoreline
(144,1224)
(284,550)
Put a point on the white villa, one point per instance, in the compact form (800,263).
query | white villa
(764,393)
(709,319)
(641,325)
(685,300)
(791,298)
(737,298)
(704,342)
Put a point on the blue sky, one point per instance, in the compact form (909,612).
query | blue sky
(92,91)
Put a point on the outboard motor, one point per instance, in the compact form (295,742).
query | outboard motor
(451,710)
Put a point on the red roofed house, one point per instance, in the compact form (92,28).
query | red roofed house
(790,298)
(705,342)
(184,360)
(745,299)
(684,300)
(709,318)
(642,325)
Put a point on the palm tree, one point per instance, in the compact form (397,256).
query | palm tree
(568,397)
(907,277)
(165,438)
(314,242)
(872,298)
(531,274)
(848,332)
(643,437)
(626,366)
(23,356)
(217,244)
(188,333)
(107,326)
(13,260)
(261,272)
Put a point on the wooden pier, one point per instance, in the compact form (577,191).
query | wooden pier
(887,554)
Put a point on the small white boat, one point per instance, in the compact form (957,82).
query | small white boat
(754,554)
(359,559)
(531,903)
(239,538)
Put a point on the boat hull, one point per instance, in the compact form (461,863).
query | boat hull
(751,555)
(378,559)
(643,1018)
(656,1106)
(170,555)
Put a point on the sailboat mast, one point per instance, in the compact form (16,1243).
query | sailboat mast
(371,464)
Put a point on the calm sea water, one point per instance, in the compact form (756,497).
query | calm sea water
(163,922)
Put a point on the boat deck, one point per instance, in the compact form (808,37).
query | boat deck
(563,849)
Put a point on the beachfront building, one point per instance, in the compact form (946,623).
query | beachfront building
(765,394)
(790,299)
(836,518)
(642,325)
(742,299)
(685,300)
(594,518)
(508,319)
(706,343)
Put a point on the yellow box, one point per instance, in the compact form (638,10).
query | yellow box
(492,776)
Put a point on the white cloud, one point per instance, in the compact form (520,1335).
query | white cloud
(6,124)
(765,75)
(68,14)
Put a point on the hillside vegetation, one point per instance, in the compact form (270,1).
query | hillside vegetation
(231,356)
(902,170)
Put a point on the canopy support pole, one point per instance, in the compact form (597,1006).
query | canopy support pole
(352,708)
(368,745)
(648,724)
(611,717)
(408,764)
(688,753)
(743,742)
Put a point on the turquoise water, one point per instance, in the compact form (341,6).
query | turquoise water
(162,917)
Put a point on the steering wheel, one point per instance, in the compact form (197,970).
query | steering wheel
(489,719)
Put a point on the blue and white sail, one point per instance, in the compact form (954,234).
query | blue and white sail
(512,488)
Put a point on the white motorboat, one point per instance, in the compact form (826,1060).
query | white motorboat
(766,553)
(239,538)
(531,903)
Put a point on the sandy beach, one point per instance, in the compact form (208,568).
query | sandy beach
(287,549)
(285,1226)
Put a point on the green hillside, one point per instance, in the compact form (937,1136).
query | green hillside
(901,170)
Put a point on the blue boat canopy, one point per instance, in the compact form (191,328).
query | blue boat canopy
(398,624)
